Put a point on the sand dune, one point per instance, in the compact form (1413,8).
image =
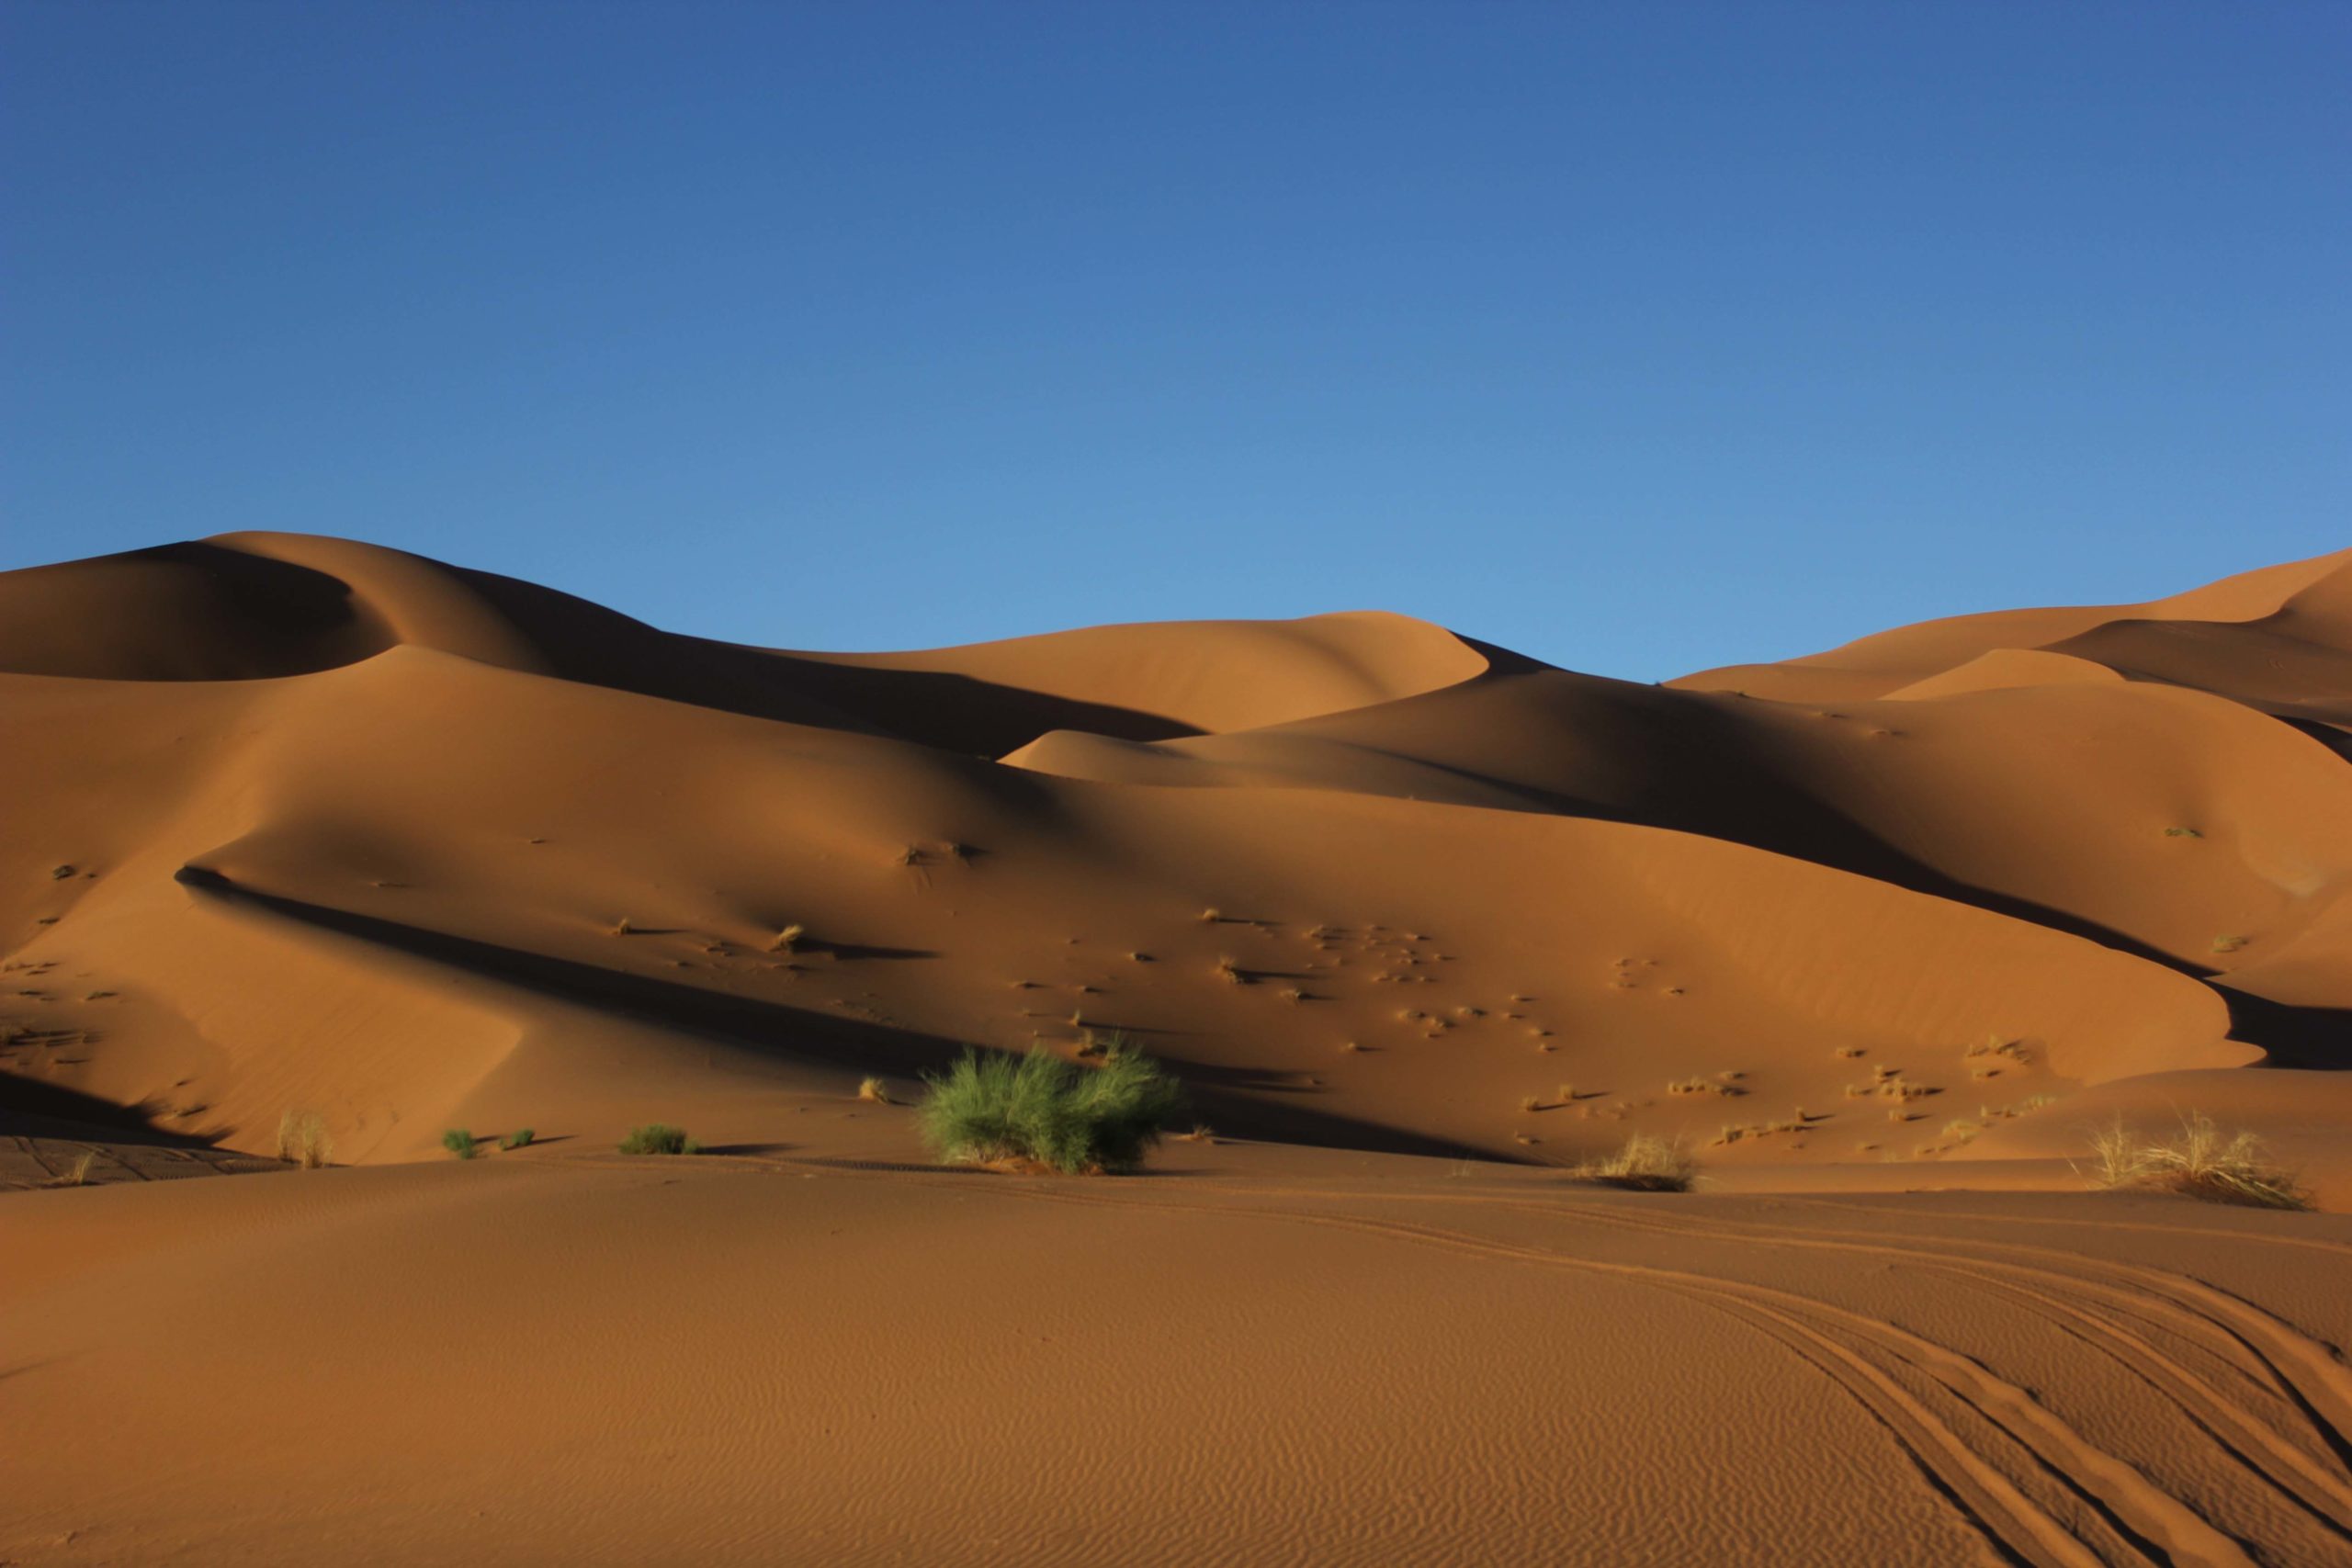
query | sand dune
(313,825)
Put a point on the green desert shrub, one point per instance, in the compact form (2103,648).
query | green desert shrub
(659,1138)
(459,1142)
(994,1105)
(520,1138)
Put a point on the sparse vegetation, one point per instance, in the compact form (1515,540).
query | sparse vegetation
(788,939)
(622,928)
(2202,1162)
(659,1138)
(460,1142)
(871,1091)
(1720,1084)
(2229,943)
(1645,1164)
(1529,1102)
(1849,1050)
(2182,833)
(1039,1110)
(302,1139)
(77,1174)
(520,1138)
(1229,970)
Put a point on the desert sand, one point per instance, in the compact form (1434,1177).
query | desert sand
(1884,936)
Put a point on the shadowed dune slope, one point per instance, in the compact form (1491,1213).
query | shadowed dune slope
(323,827)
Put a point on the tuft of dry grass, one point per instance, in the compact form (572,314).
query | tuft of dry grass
(1529,1102)
(872,1091)
(76,1174)
(1202,1133)
(302,1139)
(1646,1164)
(2202,1162)
(1293,994)
(788,939)
(1850,1052)
(1228,970)
(1212,915)
(2229,943)
(621,927)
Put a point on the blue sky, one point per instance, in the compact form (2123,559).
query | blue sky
(1641,338)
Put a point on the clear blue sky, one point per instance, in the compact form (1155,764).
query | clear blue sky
(1640,337)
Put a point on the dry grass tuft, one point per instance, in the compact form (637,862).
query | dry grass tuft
(872,1091)
(1645,1164)
(1212,915)
(621,926)
(2203,1162)
(302,1139)
(77,1175)
(2229,943)
(1849,1050)
(1228,970)
(788,939)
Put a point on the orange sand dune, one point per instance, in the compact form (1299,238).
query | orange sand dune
(316,826)
(472,831)
(2279,639)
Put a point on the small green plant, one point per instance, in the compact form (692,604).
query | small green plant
(659,1138)
(1039,1110)
(1645,1164)
(520,1138)
(459,1142)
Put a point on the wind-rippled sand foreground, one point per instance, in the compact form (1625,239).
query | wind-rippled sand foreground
(1253,1356)
(302,825)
